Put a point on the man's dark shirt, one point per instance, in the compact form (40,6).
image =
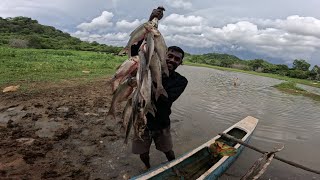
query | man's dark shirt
(174,85)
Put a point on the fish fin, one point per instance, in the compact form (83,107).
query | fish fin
(165,71)
(154,107)
(112,113)
(149,109)
(161,91)
(128,128)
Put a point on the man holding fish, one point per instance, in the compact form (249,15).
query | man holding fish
(149,83)
(158,126)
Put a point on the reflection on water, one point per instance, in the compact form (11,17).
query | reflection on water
(211,103)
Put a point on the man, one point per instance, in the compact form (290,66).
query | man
(158,127)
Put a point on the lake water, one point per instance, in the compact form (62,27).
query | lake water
(211,104)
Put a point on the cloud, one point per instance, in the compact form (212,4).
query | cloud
(282,39)
(98,23)
(117,39)
(181,20)
(179,4)
(308,26)
(124,25)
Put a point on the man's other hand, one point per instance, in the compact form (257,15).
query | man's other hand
(157,13)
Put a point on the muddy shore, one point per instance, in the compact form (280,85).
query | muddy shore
(62,133)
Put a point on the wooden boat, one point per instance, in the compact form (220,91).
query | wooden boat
(200,163)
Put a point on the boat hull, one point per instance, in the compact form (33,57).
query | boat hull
(200,156)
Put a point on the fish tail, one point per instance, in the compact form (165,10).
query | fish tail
(149,109)
(112,113)
(129,125)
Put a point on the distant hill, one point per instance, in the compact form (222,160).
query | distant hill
(24,32)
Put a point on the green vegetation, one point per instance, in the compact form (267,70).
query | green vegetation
(276,76)
(291,88)
(24,66)
(23,32)
(300,69)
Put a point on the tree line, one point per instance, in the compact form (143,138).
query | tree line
(24,32)
(300,67)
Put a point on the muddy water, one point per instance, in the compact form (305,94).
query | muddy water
(211,103)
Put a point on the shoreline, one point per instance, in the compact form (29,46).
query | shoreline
(275,76)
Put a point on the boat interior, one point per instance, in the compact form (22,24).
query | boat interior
(200,162)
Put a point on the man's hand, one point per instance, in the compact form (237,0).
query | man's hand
(157,13)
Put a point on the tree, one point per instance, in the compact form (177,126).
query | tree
(301,64)
(315,73)
(18,43)
(257,64)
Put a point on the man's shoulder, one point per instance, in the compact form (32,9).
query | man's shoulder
(181,78)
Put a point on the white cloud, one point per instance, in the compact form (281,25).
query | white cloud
(309,26)
(98,23)
(124,25)
(283,39)
(179,4)
(181,20)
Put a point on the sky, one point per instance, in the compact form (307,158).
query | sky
(277,31)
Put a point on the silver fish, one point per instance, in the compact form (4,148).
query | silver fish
(150,47)
(121,94)
(146,93)
(124,70)
(161,48)
(139,34)
(126,114)
(155,68)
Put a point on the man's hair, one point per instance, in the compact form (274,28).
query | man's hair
(177,49)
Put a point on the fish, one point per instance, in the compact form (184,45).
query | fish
(146,93)
(121,94)
(142,69)
(155,68)
(136,99)
(150,47)
(124,70)
(161,48)
(139,34)
(126,114)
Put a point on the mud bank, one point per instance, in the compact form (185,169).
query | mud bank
(62,133)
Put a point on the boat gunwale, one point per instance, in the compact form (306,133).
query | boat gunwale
(185,156)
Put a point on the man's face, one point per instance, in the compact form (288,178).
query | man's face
(174,59)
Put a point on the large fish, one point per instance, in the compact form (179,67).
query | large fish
(142,69)
(146,93)
(127,114)
(121,94)
(123,71)
(150,47)
(155,68)
(136,102)
(139,34)
(161,48)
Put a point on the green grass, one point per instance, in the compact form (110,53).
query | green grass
(24,66)
(291,88)
(276,76)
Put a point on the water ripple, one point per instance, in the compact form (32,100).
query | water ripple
(211,103)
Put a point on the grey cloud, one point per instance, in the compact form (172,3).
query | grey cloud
(179,4)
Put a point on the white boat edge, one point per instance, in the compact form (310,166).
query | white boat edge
(247,124)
